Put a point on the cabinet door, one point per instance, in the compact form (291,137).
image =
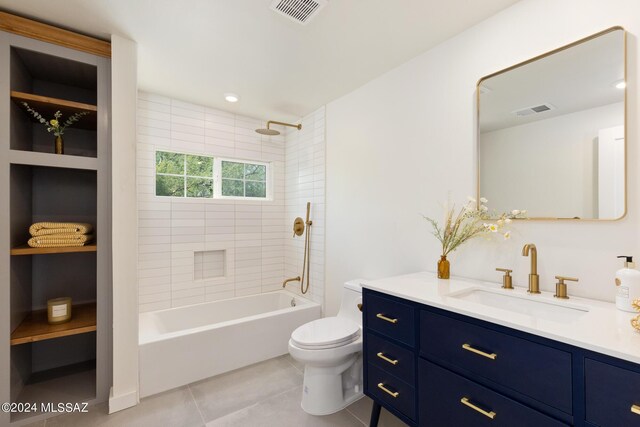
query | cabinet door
(535,370)
(448,399)
(390,318)
(390,357)
(391,391)
(612,395)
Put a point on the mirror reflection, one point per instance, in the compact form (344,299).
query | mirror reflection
(551,132)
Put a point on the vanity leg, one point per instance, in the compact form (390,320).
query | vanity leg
(375,415)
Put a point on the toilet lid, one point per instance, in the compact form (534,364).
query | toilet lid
(326,333)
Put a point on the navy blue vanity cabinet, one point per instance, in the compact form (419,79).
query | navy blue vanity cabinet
(434,368)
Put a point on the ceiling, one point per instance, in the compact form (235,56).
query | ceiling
(197,50)
(575,79)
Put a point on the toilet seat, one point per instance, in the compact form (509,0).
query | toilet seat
(330,332)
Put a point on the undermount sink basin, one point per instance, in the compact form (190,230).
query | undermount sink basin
(533,305)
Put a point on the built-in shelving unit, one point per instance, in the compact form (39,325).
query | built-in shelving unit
(36,328)
(69,362)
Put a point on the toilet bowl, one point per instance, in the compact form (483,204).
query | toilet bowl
(331,351)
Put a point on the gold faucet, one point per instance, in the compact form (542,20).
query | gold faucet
(534,279)
(293,279)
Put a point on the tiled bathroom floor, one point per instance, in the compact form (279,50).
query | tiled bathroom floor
(263,395)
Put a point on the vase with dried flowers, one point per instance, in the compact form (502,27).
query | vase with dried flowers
(472,220)
(55,126)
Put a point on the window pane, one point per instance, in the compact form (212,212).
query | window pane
(169,163)
(232,187)
(199,187)
(255,172)
(199,166)
(169,186)
(232,170)
(256,189)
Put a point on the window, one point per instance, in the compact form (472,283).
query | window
(183,175)
(243,179)
(187,175)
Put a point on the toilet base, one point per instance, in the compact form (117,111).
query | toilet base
(327,390)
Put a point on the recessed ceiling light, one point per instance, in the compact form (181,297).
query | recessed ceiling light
(231,97)
(620,84)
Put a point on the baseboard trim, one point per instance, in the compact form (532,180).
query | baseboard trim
(123,401)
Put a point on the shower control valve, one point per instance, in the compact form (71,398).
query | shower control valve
(298,227)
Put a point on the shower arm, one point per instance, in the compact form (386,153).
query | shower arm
(273,122)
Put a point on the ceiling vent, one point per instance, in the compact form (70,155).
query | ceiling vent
(301,11)
(533,110)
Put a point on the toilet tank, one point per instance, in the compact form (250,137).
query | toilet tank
(351,297)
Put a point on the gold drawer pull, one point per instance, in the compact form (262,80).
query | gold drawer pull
(491,356)
(386,359)
(635,409)
(393,394)
(465,401)
(385,318)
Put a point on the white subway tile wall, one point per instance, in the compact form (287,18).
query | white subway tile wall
(305,182)
(254,235)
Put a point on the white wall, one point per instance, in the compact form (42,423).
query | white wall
(548,167)
(399,144)
(171,229)
(305,182)
(124,392)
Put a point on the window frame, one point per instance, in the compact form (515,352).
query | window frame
(184,174)
(217,181)
(216,177)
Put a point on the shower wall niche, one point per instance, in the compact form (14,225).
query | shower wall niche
(195,250)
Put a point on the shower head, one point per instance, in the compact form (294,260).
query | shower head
(271,132)
(267,131)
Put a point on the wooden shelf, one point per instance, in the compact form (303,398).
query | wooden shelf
(35,158)
(47,106)
(28,250)
(35,327)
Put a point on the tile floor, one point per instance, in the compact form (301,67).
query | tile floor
(263,395)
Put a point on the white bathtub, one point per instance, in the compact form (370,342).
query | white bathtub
(186,344)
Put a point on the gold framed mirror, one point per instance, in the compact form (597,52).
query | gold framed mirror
(551,132)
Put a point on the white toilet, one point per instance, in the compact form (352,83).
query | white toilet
(331,350)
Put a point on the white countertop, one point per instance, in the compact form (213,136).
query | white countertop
(603,328)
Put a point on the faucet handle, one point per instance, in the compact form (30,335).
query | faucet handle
(507,280)
(561,287)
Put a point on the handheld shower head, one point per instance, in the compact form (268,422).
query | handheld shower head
(270,132)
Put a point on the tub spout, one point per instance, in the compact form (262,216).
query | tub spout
(293,279)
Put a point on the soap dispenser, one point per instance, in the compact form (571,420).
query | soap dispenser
(627,284)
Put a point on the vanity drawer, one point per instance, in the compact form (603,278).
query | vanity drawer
(533,369)
(611,394)
(390,318)
(448,399)
(391,391)
(390,357)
